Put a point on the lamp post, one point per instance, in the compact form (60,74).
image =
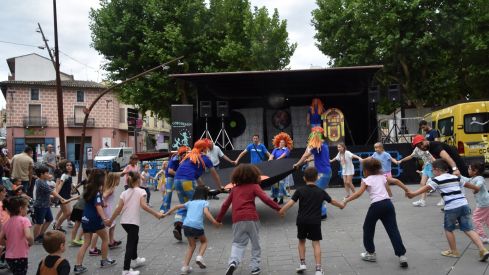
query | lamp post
(89,109)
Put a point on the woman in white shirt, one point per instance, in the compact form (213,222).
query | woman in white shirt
(345,158)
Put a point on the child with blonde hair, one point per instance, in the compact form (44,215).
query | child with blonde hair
(111,182)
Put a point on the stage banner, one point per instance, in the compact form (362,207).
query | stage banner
(181,126)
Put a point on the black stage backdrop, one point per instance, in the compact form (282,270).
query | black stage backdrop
(406,172)
(181,126)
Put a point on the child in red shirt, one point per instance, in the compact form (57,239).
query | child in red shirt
(246,224)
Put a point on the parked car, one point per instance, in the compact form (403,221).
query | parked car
(113,159)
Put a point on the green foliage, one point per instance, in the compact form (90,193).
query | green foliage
(437,50)
(224,35)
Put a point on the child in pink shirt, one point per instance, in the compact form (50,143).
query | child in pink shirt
(16,235)
(131,167)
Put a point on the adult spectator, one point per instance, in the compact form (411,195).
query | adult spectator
(258,151)
(49,159)
(4,165)
(22,167)
(441,150)
(215,154)
(430,133)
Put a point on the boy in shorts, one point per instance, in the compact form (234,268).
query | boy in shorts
(54,243)
(310,199)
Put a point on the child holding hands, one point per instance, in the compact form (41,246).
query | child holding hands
(310,199)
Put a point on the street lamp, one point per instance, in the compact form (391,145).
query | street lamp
(89,109)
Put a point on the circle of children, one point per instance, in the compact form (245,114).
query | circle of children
(96,209)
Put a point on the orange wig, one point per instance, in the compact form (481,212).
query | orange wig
(316,138)
(195,155)
(317,103)
(285,137)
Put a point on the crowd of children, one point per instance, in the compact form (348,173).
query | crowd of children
(97,208)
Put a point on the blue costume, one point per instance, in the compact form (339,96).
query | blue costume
(169,187)
(278,189)
(322,164)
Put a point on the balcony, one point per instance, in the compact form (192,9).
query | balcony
(35,121)
(75,123)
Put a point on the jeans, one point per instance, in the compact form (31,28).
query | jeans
(278,189)
(169,187)
(462,215)
(385,212)
(132,231)
(185,191)
(323,182)
(243,232)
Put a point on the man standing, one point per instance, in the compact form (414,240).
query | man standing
(22,167)
(49,159)
(444,151)
(430,133)
(215,153)
(258,152)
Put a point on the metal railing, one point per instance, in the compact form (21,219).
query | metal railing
(35,121)
(74,122)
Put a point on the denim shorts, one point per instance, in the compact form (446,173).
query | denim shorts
(428,170)
(463,215)
(191,232)
(42,214)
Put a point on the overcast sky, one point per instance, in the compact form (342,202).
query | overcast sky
(19,20)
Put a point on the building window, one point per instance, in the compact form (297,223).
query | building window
(35,112)
(146,121)
(122,115)
(79,114)
(80,96)
(34,94)
(155,119)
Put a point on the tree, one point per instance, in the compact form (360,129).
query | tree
(430,47)
(223,35)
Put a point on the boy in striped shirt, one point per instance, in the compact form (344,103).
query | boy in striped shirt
(456,207)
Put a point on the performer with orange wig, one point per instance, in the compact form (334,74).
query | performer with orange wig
(319,148)
(170,172)
(283,144)
(192,166)
(314,113)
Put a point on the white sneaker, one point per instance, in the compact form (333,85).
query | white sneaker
(441,203)
(369,257)
(485,240)
(138,262)
(185,270)
(130,272)
(420,203)
(71,224)
(301,268)
(403,261)
(319,272)
(200,261)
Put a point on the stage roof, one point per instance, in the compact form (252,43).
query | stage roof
(291,83)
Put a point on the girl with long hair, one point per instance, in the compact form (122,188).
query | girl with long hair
(111,182)
(63,188)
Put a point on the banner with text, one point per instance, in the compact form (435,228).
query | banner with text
(181,126)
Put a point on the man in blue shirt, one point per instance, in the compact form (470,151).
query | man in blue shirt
(431,134)
(258,151)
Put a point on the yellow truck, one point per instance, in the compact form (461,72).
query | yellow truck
(465,125)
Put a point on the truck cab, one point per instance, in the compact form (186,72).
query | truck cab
(113,159)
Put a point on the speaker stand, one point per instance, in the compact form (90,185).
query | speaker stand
(223,134)
(206,133)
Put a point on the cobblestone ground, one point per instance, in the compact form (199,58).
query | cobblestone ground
(421,230)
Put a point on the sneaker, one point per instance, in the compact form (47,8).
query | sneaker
(94,252)
(71,224)
(185,270)
(130,272)
(139,261)
(301,268)
(106,263)
(231,268)
(275,199)
(115,244)
(319,272)
(281,201)
(256,271)
(484,254)
(324,217)
(60,229)
(403,261)
(38,240)
(77,243)
(3,264)
(485,240)
(79,269)
(369,257)
(200,261)
(449,253)
(420,203)
(177,232)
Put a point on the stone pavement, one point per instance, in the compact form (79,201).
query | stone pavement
(421,230)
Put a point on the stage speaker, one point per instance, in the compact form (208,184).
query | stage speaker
(235,124)
(222,108)
(373,94)
(205,108)
(394,92)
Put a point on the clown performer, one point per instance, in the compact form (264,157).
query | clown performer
(314,113)
(170,172)
(187,177)
(283,145)
(317,147)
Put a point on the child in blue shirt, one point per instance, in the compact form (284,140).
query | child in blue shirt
(193,226)
(384,158)
(480,216)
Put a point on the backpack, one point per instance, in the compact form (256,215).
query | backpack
(44,270)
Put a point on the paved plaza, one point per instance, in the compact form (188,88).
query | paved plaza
(421,230)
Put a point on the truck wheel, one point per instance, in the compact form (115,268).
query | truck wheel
(116,167)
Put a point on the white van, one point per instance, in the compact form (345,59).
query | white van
(113,159)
